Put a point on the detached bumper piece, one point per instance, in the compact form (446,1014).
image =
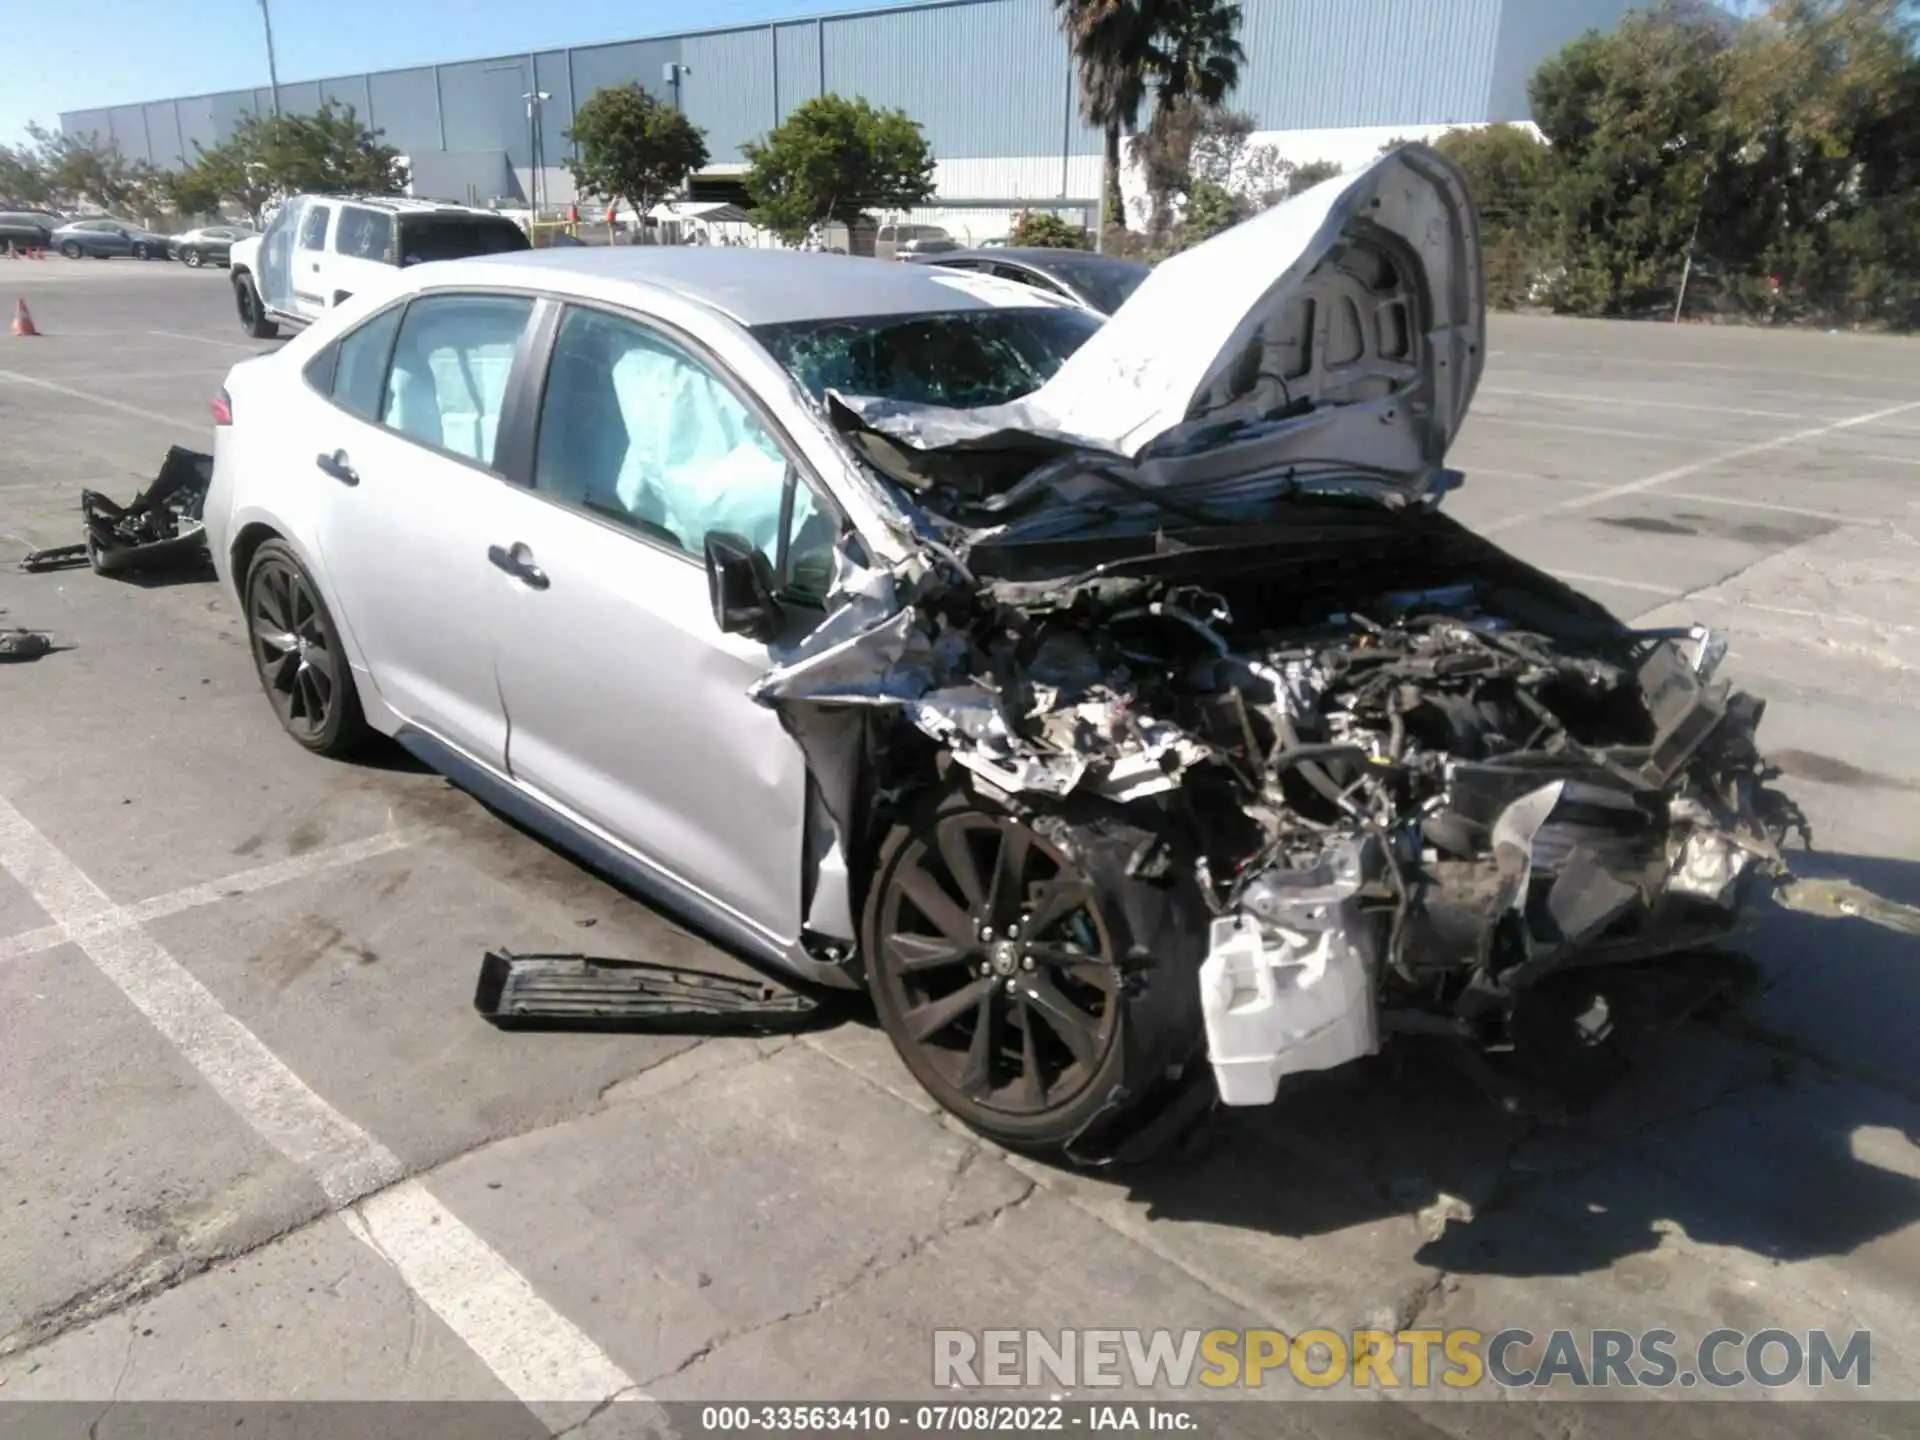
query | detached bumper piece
(584,992)
(23,644)
(160,529)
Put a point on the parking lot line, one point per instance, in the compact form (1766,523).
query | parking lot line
(1642,362)
(209,340)
(172,422)
(1694,467)
(1697,497)
(1612,432)
(1578,578)
(536,1352)
(245,882)
(1592,399)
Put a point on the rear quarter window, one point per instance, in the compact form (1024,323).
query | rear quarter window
(425,238)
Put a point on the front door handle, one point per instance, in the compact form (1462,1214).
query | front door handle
(336,465)
(518,562)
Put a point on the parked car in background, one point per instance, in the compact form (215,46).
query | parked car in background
(27,229)
(103,237)
(1101,283)
(209,244)
(318,250)
(915,239)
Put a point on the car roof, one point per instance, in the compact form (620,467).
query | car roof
(753,287)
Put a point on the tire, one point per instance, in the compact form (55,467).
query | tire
(141,252)
(298,655)
(192,258)
(253,314)
(70,249)
(1099,995)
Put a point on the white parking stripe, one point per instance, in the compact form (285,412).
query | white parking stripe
(245,882)
(1575,577)
(172,422)
(1698,497)
(1589,398)
(535,1351)
(1681,472)
(209,340)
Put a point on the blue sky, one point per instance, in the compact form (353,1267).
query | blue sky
(127,50)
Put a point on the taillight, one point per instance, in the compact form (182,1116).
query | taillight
(223,409)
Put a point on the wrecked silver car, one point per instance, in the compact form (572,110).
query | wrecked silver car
(1112,700)
(1209,740)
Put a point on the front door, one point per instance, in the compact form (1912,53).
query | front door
(310,262)
(405,542)
(626,703)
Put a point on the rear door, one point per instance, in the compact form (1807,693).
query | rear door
(310,290)
(412,443)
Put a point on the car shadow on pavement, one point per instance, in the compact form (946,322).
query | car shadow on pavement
(1785,1128)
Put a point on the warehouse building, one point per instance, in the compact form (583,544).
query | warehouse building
(990,81)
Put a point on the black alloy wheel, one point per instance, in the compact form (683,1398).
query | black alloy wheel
(297,652)
(996,975)
(192,258)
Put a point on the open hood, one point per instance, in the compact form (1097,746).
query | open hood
(1343,328)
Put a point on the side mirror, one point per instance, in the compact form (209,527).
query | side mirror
(740,587)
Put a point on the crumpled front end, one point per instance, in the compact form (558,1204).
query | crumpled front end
(1406,806)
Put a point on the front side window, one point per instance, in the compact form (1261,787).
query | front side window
(636,430)
(451,364)
(961,358)
(313,229)
(1030,278)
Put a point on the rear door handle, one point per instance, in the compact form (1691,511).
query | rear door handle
(336,465)
(518,562)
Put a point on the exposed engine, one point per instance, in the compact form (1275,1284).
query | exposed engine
(1421,800)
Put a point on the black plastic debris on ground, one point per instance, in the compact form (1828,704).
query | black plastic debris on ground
(583,992)
(160,529)
(24,644)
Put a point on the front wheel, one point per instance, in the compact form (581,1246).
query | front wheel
(297,652)
(141,252)
(70,249)
(192,258)
(1038,991)
(253,314)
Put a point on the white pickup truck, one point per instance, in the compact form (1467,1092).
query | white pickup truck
(319,249)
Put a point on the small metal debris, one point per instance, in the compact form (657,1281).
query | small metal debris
(551,991)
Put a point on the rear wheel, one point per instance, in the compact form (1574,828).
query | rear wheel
(253,314)
(1037,991)
(192,258)
(297,652)
(141,252)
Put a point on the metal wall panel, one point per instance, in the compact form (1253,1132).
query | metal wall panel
(96,125)
(981,78)
(1318,64)
(127,128)
(163,135)
(227,108)
(404,107)
(198,128)
(351,91)
(797,53)
(484,106)
(728,87)
(639,61)
(1531,30)
(301,98)
(552,75)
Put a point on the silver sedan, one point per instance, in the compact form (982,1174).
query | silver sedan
(1109,698)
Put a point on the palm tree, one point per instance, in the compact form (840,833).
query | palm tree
(1124,48)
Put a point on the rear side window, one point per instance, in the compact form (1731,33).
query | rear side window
(364,235)
(360,372)
(451,363)
(313,229)
(425,238)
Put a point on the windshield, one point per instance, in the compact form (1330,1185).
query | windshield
(960,358)
(1107,283)
(456,237)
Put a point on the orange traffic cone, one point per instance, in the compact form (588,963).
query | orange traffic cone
(22,321)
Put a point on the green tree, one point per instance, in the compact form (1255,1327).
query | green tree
(89,171)
(1305,176)
(1508,170)
(23,179)
(328,149)
(836,159)
(633,148)
(1047,230)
